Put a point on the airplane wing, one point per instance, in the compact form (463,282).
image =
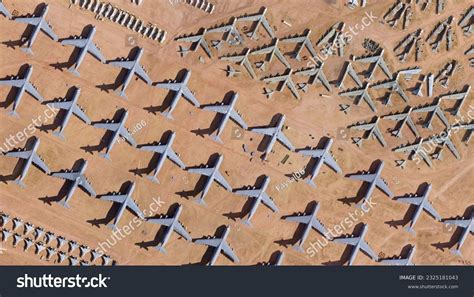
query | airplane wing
(87,186)
(424,109)
(402,94)
(188,95)
(108,126)
(249,68)
(203,171)
(269,202)
(210,242)
(229,252)
(190,38)
(265,131)
(236,117)
(385,68)
(33,92)
(363,177)
(248,193)
(217,108)
(384,187)
(154,148)
(453,149)
(363,127)
(282,138)
(19,154)
(347,240)
(324,80)
(236,59)
(40,163)
(224,28)
(127,136)
(251,18)
(114,198)
(379,136)
(81,114)
(369,101)
(443,118)
(61,105)
(396,117)
(398,262)
(459,223)
(66,175)
(408,148)
(181,231)
(366,248)
(169,86)
(94,50)
(48,30)
(351,93)
(174,157)
(206,48)
(275,79)
(32,21)
(162,221)
(367,59)
(81,42)
(293,89)
(262,51)
(123,64)
(329,160)
(221,180)
(142,74)
(312,153)
(18,83)
(133,206)
(385,85)
(268,28)
(282,58)
(299,219)
(296,39)
(430,209)
(411,200)
(310,48)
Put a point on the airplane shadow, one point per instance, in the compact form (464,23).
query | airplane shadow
(13,91)
(299,229)
(273,258)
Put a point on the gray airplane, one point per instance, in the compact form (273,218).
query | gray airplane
(276,134)
(466,126)
(283,80)
(458,96)
(433,110)
(376,60)
(361,94)
(272,51)
(372,131)
(133,68)
(230,30)
(125,201)
(242,60)
(86,45)
(374,180)
(260,196)
(415,149)
(302,41)
(444,139)
(323,156)
(408,261)
(118,130)
(180,89)
(4,11)
(403,118)
(40,24)
(468,227)
(227,112)
(72,108)
(311,222)
(393,86)
(422,203)
(165,151)
(260,19)
(212,174)
(197,41)
(358,244)
(31,157)
(78,179)
(173,225)
(316,75)
(23,85)
(219,245)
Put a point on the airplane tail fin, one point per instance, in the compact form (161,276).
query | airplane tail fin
(218,139)
(298,248)
(27,50)
(74,71)
(457,252)
(160,248)
(105,156)
(153,179)
(310,182)
(20,183)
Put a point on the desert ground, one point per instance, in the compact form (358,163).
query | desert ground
(307,121)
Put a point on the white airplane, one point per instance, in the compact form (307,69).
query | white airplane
(276,134)
(179,89)
(361,94)
(458,96)
(422,203)
(165,152)
(260,19)
(71,108)
(242,60)
(30,157)
(323,156)
(230,30)
(260,196)
(358,244)
(212,174)
(86,45)
(433,110)
(372,131)
(125,201)
(272,51)
(444,139)
(284,80)
(374,180)
(403,118)
(198,40)
(23,85)
(78,179)
(408,261)
(40,24)
(376,60)
(219,245)
(316,75)
(415,149)
(134,68)
(302,41)
(227,112)
(393,86)
(468,227)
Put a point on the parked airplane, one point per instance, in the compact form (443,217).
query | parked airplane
(376,60)
(86,45)
(416,149)
(284,80)
(361,94)
(31,157)
(466,126)
(23,85)
(4,11)
(197,41)
(275,133)
(174,225)
(125,201)
(180,89)
(468,227)
(302,41)
(230,30)
(433,110)
(227,112)
(242,60)
(403,118)
(374,180)
(358,244)
(71,108)
(372,130)
(260,196)
(422,203)
(272,51)
(165,151)
(458,96)
(260,19)
(78,179)
(219,245)
(133,68)
(316,75)
(311,222)
(401,262)
(444,139)
(213,174)
(40,24)
(393,86)
(118,130)
(323,156)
